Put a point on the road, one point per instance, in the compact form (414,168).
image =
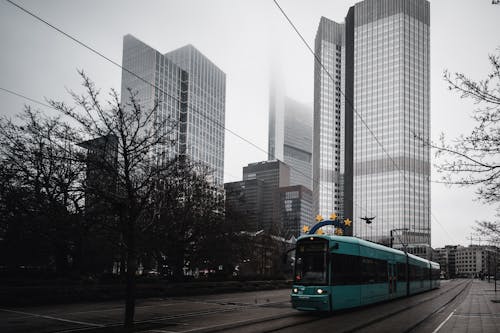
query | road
(447,309)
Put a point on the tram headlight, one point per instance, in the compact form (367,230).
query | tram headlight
(320,291)
(295,290)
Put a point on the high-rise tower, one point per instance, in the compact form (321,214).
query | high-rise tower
(327,118)
(379,65)
(290,135)
(390,90)
(190,90)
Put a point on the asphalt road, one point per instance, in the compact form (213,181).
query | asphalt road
(261,311)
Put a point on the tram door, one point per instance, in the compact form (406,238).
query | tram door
(391,272)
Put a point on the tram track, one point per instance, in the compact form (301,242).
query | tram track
(380,319)
(412,306)
(283,321)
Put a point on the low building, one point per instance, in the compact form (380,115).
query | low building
(294,209)
(446,257)
(476,260)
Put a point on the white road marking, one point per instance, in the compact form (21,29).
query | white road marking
(444,322)
(53,318)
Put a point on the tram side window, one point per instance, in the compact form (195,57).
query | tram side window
(418,273)
(401,276)
(436,274)
(413,273)
(373,270)
(345,269)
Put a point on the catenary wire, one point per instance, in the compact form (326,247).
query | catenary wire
(51,107)
(93,50)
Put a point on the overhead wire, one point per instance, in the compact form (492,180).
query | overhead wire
(100,54)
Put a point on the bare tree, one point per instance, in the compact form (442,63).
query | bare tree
(474,159)
(142,142)
(490,230)
(40,190)
(128,183)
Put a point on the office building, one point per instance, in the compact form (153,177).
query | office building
(243,204)
(327,119)
(190,91)
(290,135)
(382,53)
(264,200)
(446,257)
(294,208)
(390,88)
(476,260)
(273,174)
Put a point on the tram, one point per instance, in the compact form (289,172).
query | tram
(340,272)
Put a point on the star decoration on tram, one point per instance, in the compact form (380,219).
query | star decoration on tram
(339,232)
(347,222)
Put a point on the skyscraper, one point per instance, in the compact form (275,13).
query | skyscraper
(327,118)
(385,118)
(290,135)
(190,91)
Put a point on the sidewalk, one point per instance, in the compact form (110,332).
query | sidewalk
(479,312)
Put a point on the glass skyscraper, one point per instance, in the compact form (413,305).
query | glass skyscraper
(385,118)
(327,118)
(190,91)
(290,135)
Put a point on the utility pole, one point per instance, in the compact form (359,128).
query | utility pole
(392,236)
(406,255)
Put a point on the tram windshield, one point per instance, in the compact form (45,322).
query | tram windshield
(310,263)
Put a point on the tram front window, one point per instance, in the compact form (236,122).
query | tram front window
(310,264)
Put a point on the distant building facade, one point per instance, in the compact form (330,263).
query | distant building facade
(101,183)
(264,200)
(244,203)
(273,174)
(190,91)
(446,257)
(290,135)
(294,208)
(475,260)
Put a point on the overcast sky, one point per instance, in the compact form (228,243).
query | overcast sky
(242,38)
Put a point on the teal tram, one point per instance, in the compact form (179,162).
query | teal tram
(340,272)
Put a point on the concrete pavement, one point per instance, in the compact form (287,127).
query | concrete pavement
(478,313)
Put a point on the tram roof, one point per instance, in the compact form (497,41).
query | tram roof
(362,242)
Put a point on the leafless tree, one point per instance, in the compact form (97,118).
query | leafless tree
(142,142)
(474,159)
(40,188)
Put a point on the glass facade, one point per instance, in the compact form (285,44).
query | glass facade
(294,208)
(391,95)
(193,99)
(273,174)
(370,115)
(327,198)
(290,136)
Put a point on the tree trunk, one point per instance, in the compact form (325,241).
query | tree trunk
(130,282)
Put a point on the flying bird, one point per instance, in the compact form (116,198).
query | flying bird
(368,220)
